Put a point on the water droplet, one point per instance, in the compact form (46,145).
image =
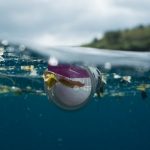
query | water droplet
(107,65)
(4,42)
(53,61)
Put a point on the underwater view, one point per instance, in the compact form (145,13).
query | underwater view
(115,117)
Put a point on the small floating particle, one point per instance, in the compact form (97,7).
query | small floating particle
(4,89)
(16,89)
(1,58)
(4,42)
(130,110)
(28,88)
(108,66)
(143,87)
(1,51)
(2,69)
(5,68)
(60,140)
(119,94)
(27,68)
(95,95)
(40,115)
(127,78)
(104,79)
(116,76)
(33,72)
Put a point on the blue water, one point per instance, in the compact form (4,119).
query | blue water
(33,123)
(29,121)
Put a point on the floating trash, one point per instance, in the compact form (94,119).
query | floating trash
(143,87)
(116,76)
(71,87)
(27,68)
(127,79)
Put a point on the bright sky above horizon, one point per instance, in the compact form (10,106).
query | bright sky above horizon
(67,22)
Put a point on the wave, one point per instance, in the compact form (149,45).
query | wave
(92,56)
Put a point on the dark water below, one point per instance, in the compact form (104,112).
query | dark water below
(28,121)
(31,122)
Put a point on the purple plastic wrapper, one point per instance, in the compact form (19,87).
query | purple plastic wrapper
(69,71)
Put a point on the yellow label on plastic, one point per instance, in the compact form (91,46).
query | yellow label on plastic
(50,80)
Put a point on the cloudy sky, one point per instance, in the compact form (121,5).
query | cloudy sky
(68,22)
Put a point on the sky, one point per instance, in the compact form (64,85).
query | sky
(68,22)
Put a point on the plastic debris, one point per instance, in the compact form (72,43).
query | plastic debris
(116,76)
(127,78)
(27,68)
(143,87)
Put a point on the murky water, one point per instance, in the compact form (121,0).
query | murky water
(119,119)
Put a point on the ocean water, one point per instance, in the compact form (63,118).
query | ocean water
(119,120)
